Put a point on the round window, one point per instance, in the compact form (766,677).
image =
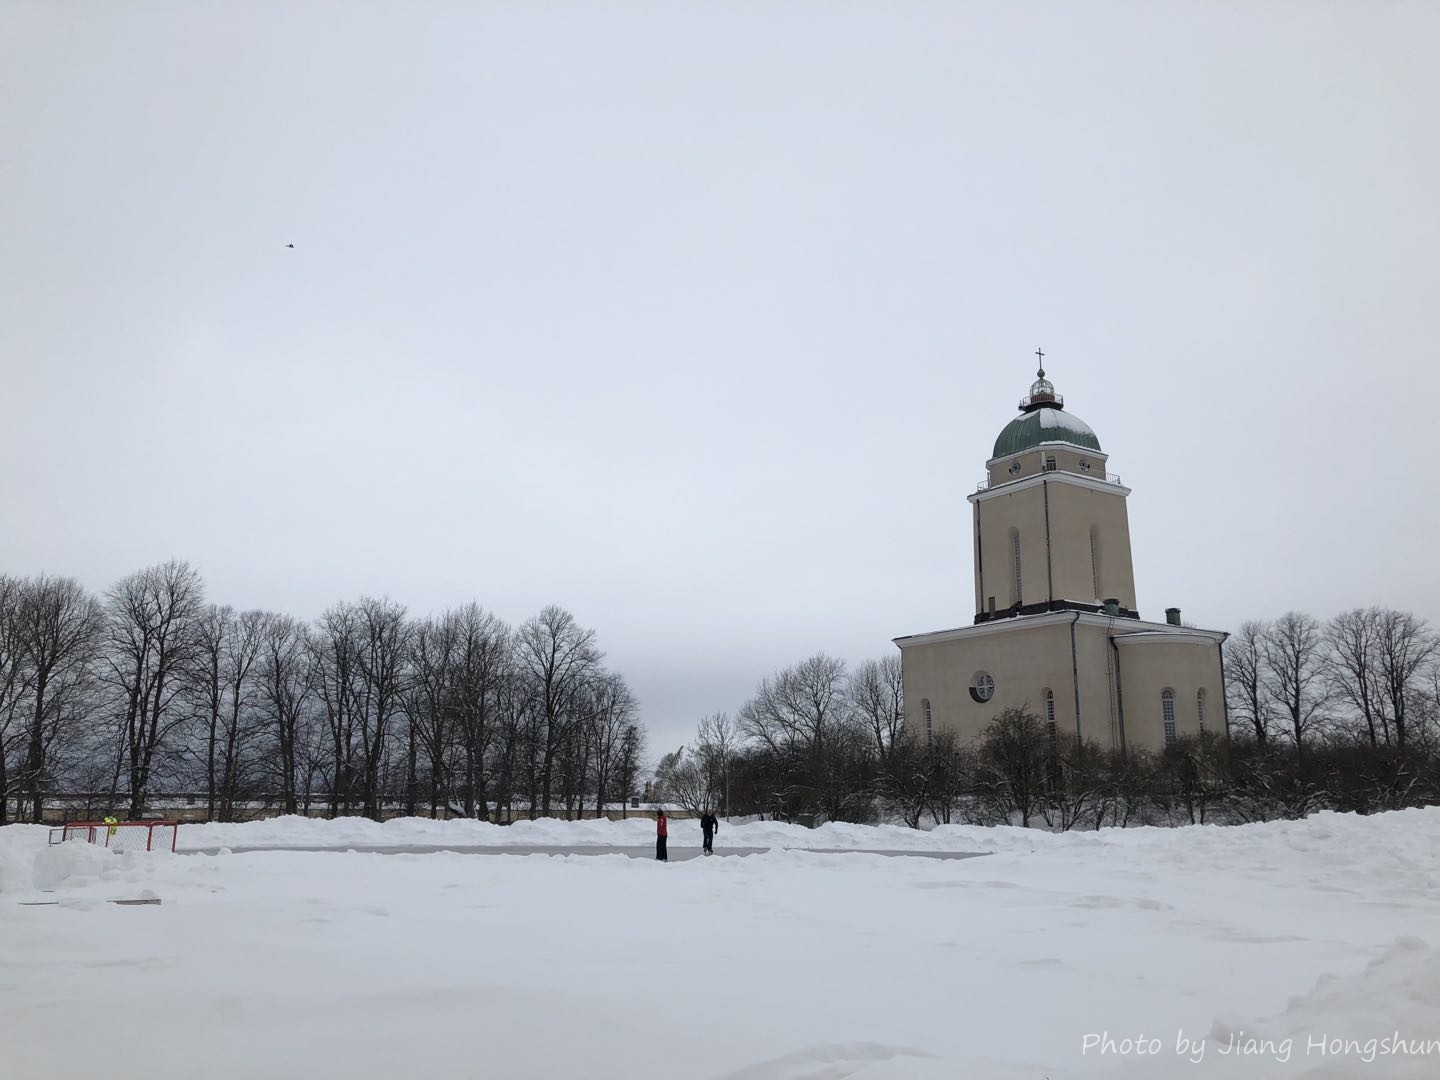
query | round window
(983,687)
(1014,467)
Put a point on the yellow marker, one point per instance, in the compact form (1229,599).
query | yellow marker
(114,824)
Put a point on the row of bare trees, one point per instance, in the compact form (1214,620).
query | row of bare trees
(150,688)
(816,740)
(1368,676)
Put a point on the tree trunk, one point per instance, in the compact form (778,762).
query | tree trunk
(35,762)
(287,764)
(412,779)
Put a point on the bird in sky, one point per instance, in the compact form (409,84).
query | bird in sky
(290,245)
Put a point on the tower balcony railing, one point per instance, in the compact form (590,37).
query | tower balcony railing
(1108,478)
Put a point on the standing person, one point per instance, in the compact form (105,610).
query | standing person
(708,825)
(662,830)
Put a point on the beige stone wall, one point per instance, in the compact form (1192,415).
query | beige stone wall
(995,517)
(1074,509)
(1032,463)
(1023,662)
(1027,656)
(1099,721)
(1147,670)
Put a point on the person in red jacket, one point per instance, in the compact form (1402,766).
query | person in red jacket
(662,830)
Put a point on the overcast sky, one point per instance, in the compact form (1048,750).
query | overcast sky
(700,318)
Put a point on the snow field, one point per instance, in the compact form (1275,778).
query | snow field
(790,965)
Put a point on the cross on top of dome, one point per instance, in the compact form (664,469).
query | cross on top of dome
(1042,390)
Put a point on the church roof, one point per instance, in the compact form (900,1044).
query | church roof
(1030,429)
(1043,419)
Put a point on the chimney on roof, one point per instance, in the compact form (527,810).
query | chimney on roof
(1172,616)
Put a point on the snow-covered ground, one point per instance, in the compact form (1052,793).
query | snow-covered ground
(789,965)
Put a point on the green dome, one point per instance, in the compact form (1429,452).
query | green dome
(1044,425)
(1043,419)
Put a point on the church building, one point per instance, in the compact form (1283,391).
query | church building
(1057,625)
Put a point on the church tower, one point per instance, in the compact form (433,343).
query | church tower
(1051,529)
(1057,629)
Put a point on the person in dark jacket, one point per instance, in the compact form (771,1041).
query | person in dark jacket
(662,830)
(708,825)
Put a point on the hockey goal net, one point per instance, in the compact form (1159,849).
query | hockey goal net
(120,835)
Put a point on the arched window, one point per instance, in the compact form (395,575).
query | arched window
(1049,464)
(1095,561)
(929,724)
(1167,709)
(1050,714)
(1200,706)
(1015,559)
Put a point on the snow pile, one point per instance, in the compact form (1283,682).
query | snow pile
(1378,1022)
(1386,839)
(294,831)
(17,863)
(72,865)
(29,865)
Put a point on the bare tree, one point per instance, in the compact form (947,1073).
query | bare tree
(512,763)
(205,683)
(285,694)
(60,625)
(381,664)
(612,719)
(223,678)
(1295,655)
(680,779)
(1354,668)
(801,707)
(1430,706)
(1189,777)
(716,742)
(626,770)
(150,636)
(877,694)
(905,779)
(814,748)
(1405,646)
(1015,766)
(483,663)
(432,664)
(1246,679)
(558,656)
(14,684)
(335,673)
(459,663)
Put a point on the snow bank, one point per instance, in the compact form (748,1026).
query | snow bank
(16,866)
(28,864)
(294,831)
(1393,833)
(1377,1022)
(72,865)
